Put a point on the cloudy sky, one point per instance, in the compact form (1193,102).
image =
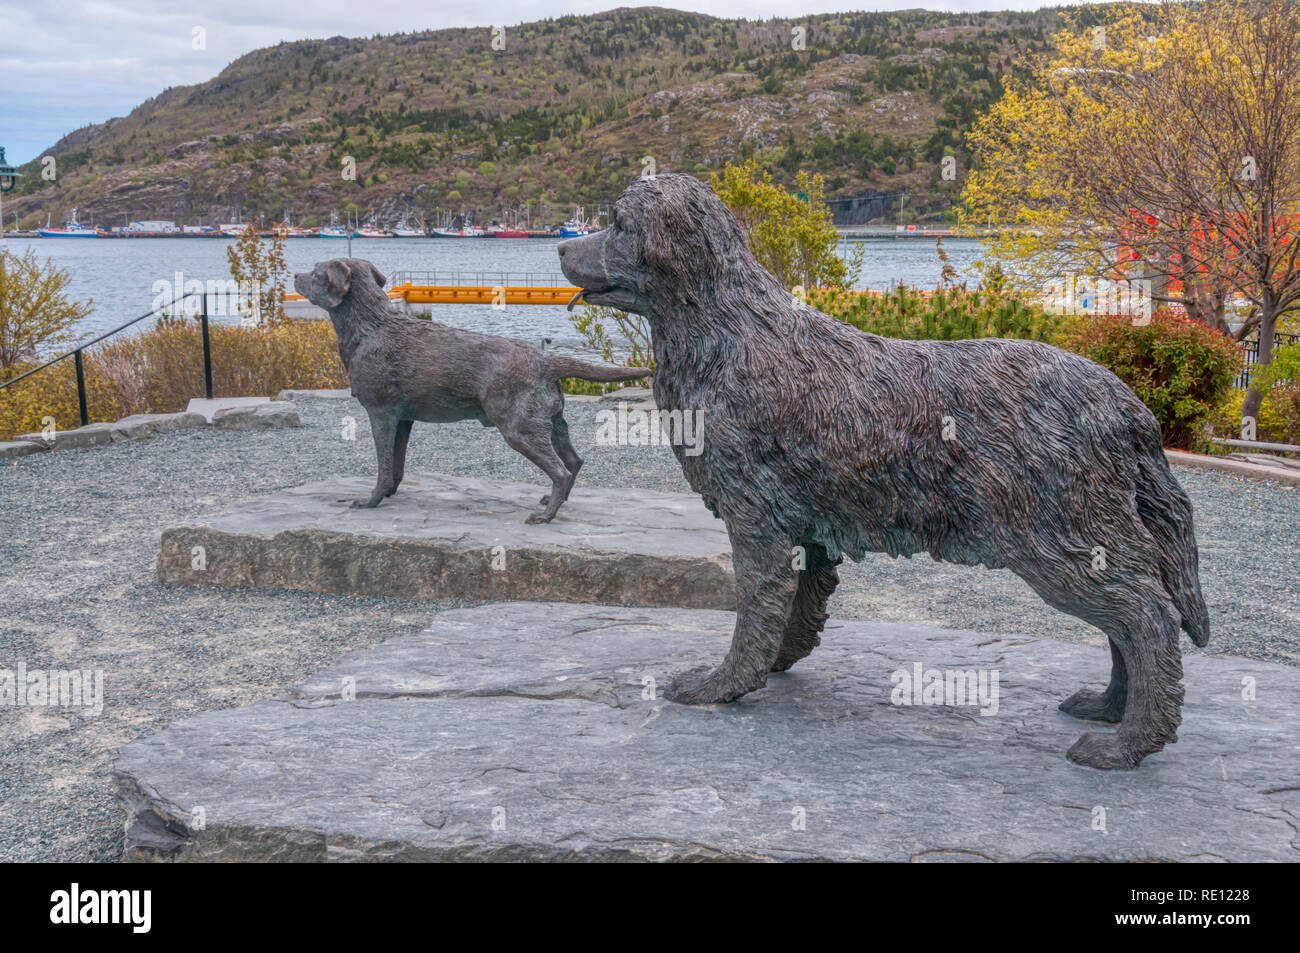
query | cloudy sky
(69,63)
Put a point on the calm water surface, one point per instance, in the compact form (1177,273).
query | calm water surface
(119,274)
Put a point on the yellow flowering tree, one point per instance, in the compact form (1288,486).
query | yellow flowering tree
(35,310)
(258,265)
(1162,144)
(793,237)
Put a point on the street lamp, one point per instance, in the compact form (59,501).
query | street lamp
(8,179)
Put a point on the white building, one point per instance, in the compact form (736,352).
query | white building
(152,225)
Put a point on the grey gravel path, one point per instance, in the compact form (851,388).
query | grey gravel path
(79,531)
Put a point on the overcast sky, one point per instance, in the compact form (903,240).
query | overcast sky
(67,63)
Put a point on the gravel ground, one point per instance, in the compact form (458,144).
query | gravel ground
(79,532)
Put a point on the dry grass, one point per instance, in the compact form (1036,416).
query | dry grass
(160,370)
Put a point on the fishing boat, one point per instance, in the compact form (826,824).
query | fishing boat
(71,229)
(499,230)
(335,231)
(470,232)
(372,233)
(412,228)
(578,225)
(233,229)
(459,227)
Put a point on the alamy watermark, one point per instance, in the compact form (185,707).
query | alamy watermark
(955,687)
(222,297)
(627,426)
(22,687)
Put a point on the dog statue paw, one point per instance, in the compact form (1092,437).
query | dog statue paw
(1097,750)
(703,686)
(1094,706)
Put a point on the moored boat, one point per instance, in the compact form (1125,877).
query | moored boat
(470,232)
(71,229)
(411,228)
(578,225)
(460,226)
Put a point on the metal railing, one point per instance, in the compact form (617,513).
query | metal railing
(1250,355)
(75,353)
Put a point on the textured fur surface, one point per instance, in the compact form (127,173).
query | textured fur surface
(823,440)
(405,369)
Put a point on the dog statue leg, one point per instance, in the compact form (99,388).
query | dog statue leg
(1145,628)
(383,426)
(1106,705)
(765,591)
(572,462)
(536,446)
(399,453)
(808,615)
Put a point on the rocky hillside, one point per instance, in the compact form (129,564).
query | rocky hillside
(567,113)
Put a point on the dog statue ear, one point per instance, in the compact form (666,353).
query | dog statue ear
(657,235)
(338,282)
(379,279)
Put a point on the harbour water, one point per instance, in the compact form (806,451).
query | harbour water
(120,276)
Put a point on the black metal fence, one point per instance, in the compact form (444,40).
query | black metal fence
(1250,356)
(177,307)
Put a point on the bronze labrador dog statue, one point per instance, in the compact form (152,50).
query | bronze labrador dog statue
(823,439)
(404,369)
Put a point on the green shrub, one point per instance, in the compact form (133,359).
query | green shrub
(1278,420)
(1179,368)
(947,314)
(593,323)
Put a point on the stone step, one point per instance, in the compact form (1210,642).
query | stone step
(448,537)
(103,434)
(538,731)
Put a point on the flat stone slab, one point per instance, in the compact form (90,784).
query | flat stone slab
(209,408)
(12,449)
(271,415)
(527,731)
(451,537)
(332,394)
(1267,460)
(640,397)
(1251,471)
(128,428)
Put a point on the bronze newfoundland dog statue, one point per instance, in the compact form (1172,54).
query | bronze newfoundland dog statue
(823,440)
(404,369)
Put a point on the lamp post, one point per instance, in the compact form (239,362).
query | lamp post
(8,179)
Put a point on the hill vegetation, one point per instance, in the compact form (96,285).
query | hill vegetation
(571,109)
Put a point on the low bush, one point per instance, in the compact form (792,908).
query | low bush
(946,314)
(1179,368)
(1278,420)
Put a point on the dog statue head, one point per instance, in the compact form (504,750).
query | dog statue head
(671,242)
(331,282)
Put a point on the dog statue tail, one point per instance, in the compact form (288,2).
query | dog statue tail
(560,366)
(1167,514)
